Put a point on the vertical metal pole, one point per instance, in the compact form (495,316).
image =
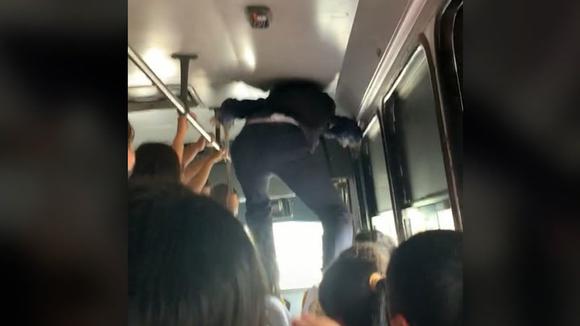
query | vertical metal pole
(229,179)
(140,63)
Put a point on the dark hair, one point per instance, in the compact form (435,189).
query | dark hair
(377,237)
(303,100)
(297,83)
(156,161)
(346,294)
(190,261)
(131,134)
(425,279)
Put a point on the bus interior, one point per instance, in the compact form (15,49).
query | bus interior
(393,65)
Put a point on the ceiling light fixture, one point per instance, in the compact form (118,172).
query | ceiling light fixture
(259,16)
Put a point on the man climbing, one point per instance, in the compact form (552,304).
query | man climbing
(280,137)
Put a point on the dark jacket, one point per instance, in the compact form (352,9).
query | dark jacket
(310,107)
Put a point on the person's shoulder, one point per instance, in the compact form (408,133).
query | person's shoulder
(276,312)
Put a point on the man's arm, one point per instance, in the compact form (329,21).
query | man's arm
(345,131)
(233,109)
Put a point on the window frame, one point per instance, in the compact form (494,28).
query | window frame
(395,152)
(451,93)
(400,187)
(367,179)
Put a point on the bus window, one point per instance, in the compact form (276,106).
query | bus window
(299,259)
(429,217)
(383,219)
(385,223)
(298,244)
(417,131)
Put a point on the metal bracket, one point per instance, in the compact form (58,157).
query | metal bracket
(184,59)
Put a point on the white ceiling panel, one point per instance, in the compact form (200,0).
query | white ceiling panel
(306,39)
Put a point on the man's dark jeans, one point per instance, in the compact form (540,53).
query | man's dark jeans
(262,150)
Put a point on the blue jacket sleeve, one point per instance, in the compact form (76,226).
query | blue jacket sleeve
(345,131)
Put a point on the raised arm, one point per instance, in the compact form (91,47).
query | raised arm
(311,320)
(191,151)
(179,139)
(192,169)
(190,166)
(200,178)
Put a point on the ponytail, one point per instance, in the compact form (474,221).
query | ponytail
(380,312)
(378,286)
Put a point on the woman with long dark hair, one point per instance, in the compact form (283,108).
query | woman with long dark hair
(190,261)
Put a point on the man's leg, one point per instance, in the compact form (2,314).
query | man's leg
(309,178)
(253,177)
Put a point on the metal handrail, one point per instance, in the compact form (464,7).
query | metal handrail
(142,65)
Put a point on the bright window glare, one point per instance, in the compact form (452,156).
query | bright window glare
(299,253)
(423,220)
(446,219)
(385,223)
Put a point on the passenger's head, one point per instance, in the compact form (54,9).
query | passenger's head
(221,195)
(130,151)
(352,290)
(377,237)
(425,280)
(190,261)
(157,161)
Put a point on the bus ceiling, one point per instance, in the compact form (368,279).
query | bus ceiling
(237,56)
